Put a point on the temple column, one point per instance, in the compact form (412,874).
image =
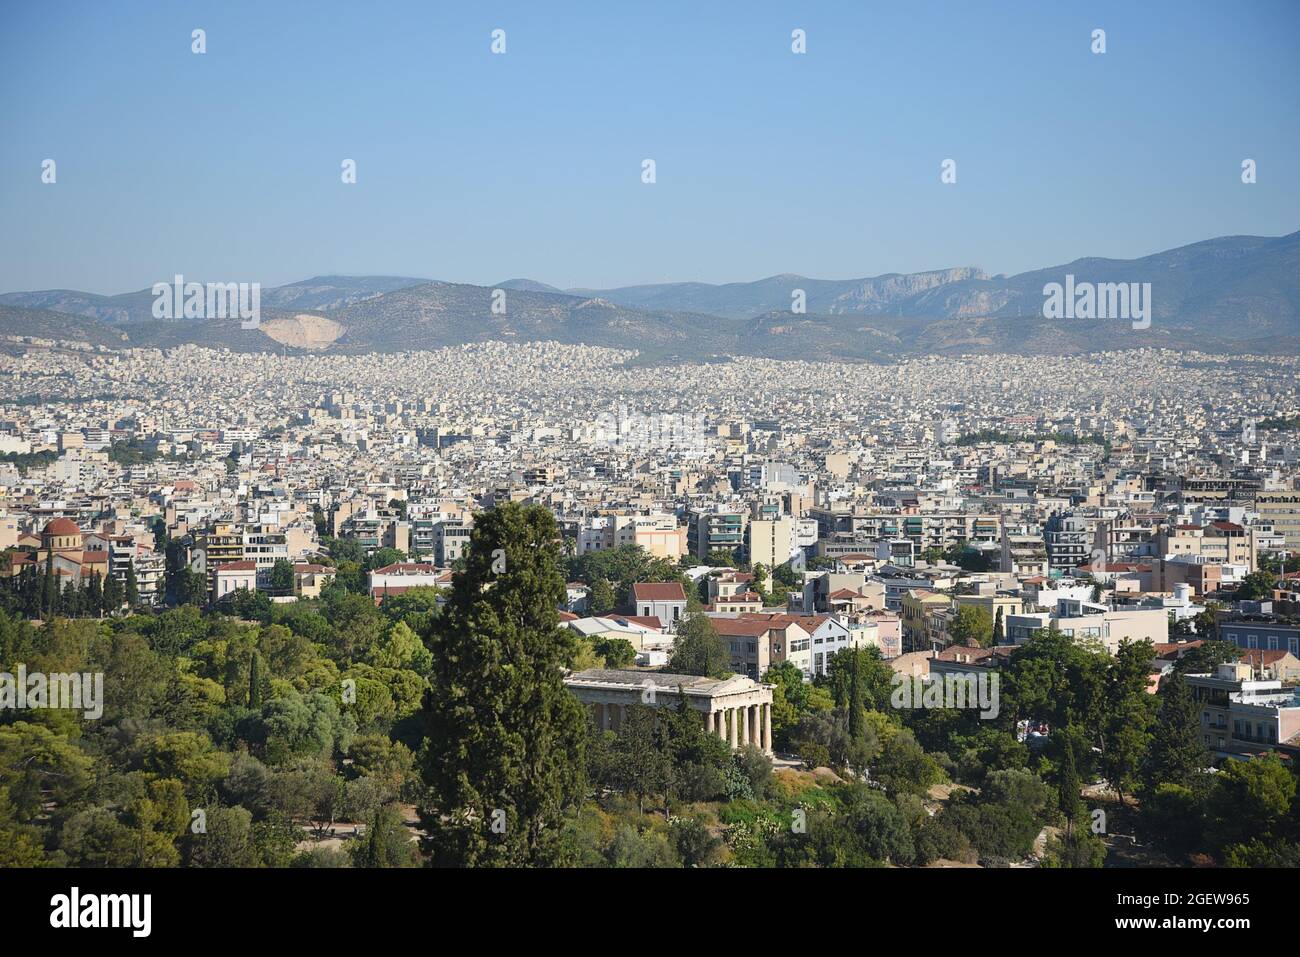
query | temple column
(744,726)
(708,723)
(722,725)
(735,731)
(767,728)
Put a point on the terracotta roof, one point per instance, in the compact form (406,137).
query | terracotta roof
(1165,649)
(61,526)
(1263,656)
(741,627)
(237,567)
(658,591)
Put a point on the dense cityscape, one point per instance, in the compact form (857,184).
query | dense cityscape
(974,610)
(466,466)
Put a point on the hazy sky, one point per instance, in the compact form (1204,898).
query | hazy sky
(476,167)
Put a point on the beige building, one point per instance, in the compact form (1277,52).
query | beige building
(660,535)
(1281,509)
(756,644)
(771,541)
(1222,543)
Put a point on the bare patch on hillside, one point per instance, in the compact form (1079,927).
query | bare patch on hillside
(303,331)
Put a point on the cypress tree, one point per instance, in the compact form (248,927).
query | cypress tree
(132,586)
(49,588)
(112,595)
(94,595)
(999,629)
(855,697)
(1177,755)
(504,738)
(255,682)
(1068,783)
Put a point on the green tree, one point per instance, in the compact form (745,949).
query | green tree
(859,675)
(617,652)
(255,682)
(1177,755)
(699,650)
(114,595)
(1128,716)
(1256,586)
(903,767)
(281,578)
(225,841)
(1068,744)
(601,600)
(49,588)
(1206,657)
(971,625)
(20,844)
(95,603)
(639,764)
(383,557)
(721,558)
(1076,849)
(503,748)
(387,842)
(193,588)
(132,586)
(1251,799)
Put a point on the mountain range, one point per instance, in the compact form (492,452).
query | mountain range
(1230,294)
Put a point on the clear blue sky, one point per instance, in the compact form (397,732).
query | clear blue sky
(477,168)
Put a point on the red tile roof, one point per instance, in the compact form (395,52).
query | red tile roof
(741,627)
(658,591)
(237,567)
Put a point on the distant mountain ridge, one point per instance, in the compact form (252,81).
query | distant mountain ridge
(320,292)
(1233,293)
(739,300)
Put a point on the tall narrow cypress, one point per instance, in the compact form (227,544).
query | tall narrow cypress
(504,738)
